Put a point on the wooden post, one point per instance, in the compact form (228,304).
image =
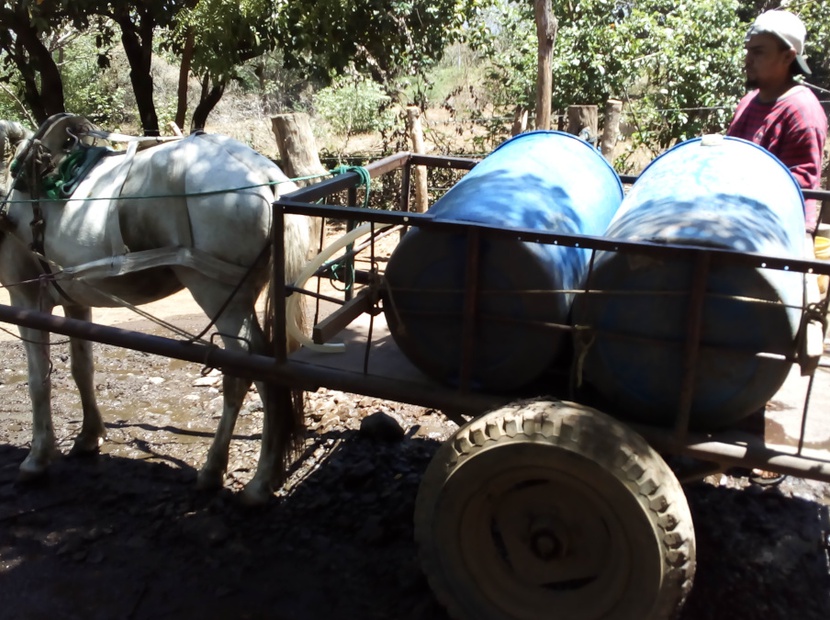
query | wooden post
(546,28)
(299,157)
(610,127)
(582,121)
(416,134)
(298,149)
(519,121)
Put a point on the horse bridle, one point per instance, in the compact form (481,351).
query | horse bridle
(39,161)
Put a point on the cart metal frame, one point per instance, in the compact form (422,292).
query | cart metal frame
(714,451)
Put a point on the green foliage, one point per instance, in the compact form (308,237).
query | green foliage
(667,59)
(353,104)
(11,107)
(383,38)
(91,91)
(689,65)
(816,17)
(226,34)
(278,88)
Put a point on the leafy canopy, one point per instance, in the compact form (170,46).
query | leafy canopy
(678,64)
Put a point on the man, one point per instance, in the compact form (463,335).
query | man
(780,114)
(785,118)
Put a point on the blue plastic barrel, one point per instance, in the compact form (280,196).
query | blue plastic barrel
(544,180)
(710,192)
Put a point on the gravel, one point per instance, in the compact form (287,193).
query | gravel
(126,535)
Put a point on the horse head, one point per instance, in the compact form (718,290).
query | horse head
(42,153)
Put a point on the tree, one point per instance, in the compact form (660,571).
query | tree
(383,38)
(213,38)
(546,26)
(662,57)
(24,38)
(27,27)
(215,55)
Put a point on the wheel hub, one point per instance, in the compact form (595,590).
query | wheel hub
(545,544)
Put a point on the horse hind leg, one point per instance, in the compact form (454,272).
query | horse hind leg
(277,427)
(236,324)
(240,330)
(212,474)
(93,432)
(281,428)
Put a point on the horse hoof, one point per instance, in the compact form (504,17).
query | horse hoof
(209,480)
(84,446)
(255,494)
(32,476)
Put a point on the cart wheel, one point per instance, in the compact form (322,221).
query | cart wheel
(548,509)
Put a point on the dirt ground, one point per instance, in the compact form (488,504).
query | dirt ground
(126,535)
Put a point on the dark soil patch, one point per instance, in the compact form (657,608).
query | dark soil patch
(125,534)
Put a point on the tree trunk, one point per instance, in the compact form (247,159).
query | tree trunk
(298,149)
(419,173)
(611,127)
(42,84)
(546,28)
(582,122)
(210,97)
(137,40)
(184,74)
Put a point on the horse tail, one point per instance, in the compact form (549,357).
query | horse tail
(289,416)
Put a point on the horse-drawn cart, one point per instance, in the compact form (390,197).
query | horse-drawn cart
(553,498)
(540,505)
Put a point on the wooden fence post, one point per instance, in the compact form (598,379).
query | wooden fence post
(299,156)
(611,127)
(416,134)
(519,121)
(582,122)
(298,149)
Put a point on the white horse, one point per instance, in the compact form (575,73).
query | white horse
(194,213)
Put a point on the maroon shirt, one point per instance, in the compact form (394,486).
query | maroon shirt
(793,128)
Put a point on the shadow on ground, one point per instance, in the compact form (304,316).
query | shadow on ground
(112,537)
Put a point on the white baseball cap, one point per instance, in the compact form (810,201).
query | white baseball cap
(787,27)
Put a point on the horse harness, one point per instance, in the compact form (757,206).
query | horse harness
(53,174)
(39,172)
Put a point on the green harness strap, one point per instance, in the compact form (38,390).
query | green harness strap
(62,183)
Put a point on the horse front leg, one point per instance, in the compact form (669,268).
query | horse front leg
(93,432)
(212,474)
(44,449)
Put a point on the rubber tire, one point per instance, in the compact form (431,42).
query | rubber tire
(553,471)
